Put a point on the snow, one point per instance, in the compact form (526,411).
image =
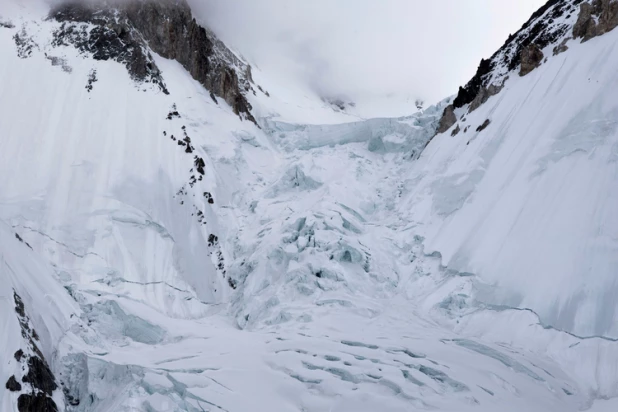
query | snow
(527,204)
(369,272)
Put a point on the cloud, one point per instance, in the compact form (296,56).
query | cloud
(364,48)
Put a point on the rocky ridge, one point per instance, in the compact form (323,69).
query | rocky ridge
(127,32)
(38,381)
(555,23)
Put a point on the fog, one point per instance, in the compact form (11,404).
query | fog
(363,48)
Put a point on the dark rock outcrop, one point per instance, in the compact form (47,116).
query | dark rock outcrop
(25,44)
(38,375)
(126,31)
(596,19)
(36,402)
(456,131)
(448,119)
(483,95)
(7,24)
(171,31)
(585,27)
(541,29)
(562,47)
(213,240)
(531,57)
(106,35)
(483,126)
(547,26)
(13,385)
(469,92)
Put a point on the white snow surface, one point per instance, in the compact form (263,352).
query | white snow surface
(529,203)
(478,275)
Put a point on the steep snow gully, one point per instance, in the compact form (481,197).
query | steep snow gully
(160,251)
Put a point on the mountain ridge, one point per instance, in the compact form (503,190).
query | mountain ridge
(554,24)
(124,31)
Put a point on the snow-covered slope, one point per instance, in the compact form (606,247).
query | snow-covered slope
(172,257)
(529,202)
(35,316)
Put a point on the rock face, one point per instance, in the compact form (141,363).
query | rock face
(562,47)
(106,36)
(36,402)
(41,383)
(171,31)
(13,385)
(483,126)
(448,119)
(127,31)
(552,24)
(547,26)
(531,57)
(483,95)
(542,29)
(456,131)
(596,19)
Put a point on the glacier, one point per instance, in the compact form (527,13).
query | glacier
(170,256)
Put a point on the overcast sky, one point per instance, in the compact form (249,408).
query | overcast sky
(362,48)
